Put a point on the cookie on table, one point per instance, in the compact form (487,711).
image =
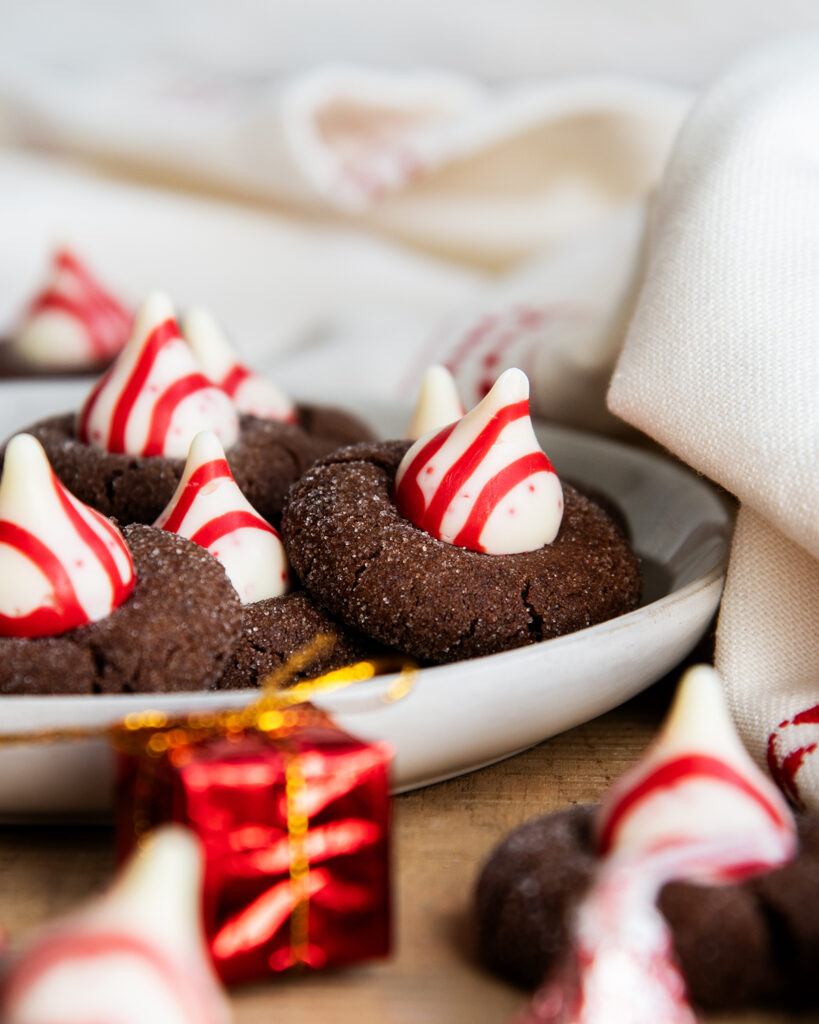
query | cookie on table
(748,937)
(723,936)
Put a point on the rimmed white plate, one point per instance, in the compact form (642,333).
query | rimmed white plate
(456,717)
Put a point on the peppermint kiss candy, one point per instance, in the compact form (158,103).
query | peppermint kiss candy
(136,954)
(483,482)
(697,797)
(696,808)
(154,399)
(73,322)
(251,393)
(438,403)
(62,564)
(209,509)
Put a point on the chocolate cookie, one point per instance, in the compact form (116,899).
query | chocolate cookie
(275,629)
(757,942)
(377,572)
(135,489)
(174,632)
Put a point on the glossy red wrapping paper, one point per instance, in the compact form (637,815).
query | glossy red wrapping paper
(295,826)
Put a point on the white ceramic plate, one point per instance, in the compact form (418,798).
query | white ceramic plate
(456,717)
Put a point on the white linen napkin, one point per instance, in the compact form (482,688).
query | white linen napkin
(439,162)
(721,365)
(535,192)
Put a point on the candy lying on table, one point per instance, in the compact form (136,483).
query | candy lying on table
(755,942)
(72,325)
(124,454)
(458,545)
(135,954)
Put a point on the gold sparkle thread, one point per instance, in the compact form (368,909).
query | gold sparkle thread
(297,828)
(264,713)
(280,711)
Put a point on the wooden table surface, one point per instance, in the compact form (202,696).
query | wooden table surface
(442,834)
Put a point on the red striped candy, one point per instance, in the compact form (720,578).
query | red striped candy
(483,482)
(696,808)
(251,393)
(697,790)
(154,399)
(73,321)
(209,509)
(791,753)
(133,956)
(62,565)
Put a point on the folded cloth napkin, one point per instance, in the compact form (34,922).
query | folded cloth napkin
(484,176)
(537,191)
(721,365)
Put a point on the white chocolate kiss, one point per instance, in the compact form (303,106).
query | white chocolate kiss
(209,509)
(697,788)
(136,954)
(447,489)
(251,393)
(41,521)
(155,399)
(438,403)
(72,322)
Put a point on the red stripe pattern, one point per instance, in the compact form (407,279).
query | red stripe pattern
(215,469)
(136,427)
(256,396)
(214,530)
(75,294)
(791,747)
(428,507)
(64,612)
(233,378)
(251,394)
(63,608)
(186,991)
(674,773)
(209,509)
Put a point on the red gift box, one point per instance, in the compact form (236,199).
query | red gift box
(293,814)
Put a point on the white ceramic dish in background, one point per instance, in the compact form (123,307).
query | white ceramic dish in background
(456,717)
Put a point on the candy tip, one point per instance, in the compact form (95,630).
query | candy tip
(156,308)
(197,321)
(699,692)
(205,447)
(23,457)
(511,386)
(438,373)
